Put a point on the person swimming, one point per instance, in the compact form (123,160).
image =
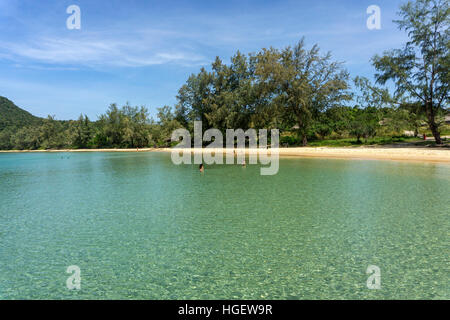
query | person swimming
(201,168)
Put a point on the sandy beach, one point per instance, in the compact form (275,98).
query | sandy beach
(409,154)
(375,153)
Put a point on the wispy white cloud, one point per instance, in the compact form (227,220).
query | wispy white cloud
(105,61)
(97,49)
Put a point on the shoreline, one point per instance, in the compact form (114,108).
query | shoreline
(363,153)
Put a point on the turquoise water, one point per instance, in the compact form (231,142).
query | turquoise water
(140,227)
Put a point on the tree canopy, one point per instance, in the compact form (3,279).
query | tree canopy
(421,69)
(300,90)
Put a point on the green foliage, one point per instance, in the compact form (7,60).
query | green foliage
(365,123)
(126,127)
(420,70)
(299,90)
(83,132)
(270,89)
(166,125)
(289,141)
(351,142)
(302,83)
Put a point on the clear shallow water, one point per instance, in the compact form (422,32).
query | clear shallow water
(140,227)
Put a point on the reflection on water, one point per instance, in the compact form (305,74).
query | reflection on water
(140,227)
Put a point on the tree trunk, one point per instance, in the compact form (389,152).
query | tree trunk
(358,139)
(302,130)
(432,123)
(435,132)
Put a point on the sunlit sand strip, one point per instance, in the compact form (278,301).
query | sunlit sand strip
(377,153)
(409,154)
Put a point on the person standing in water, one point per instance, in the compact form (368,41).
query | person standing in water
(201,168)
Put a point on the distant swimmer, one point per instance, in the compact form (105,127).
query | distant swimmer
(243,163)
(201,168)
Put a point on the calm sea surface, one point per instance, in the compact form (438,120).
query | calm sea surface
(140,227)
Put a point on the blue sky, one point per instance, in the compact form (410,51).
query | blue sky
(143,51)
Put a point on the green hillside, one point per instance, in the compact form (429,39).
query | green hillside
(13,116)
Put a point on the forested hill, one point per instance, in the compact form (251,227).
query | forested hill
(13,116)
